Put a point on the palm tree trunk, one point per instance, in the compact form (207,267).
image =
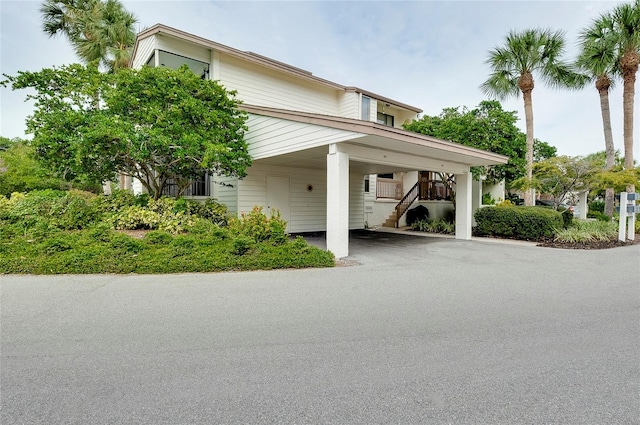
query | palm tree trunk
(528,113)
(629,64)
(608,143)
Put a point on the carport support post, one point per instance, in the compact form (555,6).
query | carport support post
(464,207)
(337,201)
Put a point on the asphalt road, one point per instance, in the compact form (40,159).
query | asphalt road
(421,331)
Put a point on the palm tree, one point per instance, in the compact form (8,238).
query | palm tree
(624,23)
(533,51)
(100,31)
(109,35)
(119,28)
(598,61)
(68,17)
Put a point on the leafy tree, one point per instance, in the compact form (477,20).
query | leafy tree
(99,30)
(560,175)
(512,69)
(155,124)
(486,127)
(543,150)
(617,178)
(6,143)
(20,172)
(598,61)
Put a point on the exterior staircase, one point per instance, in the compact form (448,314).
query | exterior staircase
(391,220)
(394,219)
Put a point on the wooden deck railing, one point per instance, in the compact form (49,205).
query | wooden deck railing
(387,188)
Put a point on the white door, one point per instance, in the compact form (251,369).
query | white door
(278,197)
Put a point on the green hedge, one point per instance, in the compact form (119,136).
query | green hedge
(51,232)
(527,223)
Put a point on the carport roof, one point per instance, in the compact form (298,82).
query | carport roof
(382,137)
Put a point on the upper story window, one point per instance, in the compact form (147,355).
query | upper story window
(365,108)
(385,119)
(173,61)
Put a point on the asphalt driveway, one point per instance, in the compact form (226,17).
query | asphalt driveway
(416,330)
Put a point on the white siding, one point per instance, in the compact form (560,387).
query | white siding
(307,208)
(146,47)
(349,105)
(257,85)
(404,116)
(382,209)
(438,210)
(226,194)
(172,45)
(356,201)
(371,196)
(373,110)
(269,136)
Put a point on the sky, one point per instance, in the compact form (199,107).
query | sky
(429,54)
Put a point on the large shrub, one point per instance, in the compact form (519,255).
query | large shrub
(596,210)
(59,209)
(168,214)
(21,172)
(72,210)
(257,226)
(527,223)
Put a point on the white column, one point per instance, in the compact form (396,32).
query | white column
(106,187)
(464,206)
(337,201)
(582,204)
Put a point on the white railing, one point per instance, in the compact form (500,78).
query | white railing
(388,188)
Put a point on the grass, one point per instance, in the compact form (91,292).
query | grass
(588,231)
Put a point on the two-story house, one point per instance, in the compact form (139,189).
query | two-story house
(313,141)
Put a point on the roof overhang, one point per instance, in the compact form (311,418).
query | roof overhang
(379,148)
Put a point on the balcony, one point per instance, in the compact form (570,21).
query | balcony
(389,188)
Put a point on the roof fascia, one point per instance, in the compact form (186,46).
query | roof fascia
(375,129)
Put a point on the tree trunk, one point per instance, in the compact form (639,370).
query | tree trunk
(629,65)
(603,90)
(528,113)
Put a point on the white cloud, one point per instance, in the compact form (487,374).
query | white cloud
(428,54)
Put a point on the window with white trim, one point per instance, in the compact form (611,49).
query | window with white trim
(365,108)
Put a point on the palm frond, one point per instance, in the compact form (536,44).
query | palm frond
(98,30)
(54,20)
(626,18)
(501,85)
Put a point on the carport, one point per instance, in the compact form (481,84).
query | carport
(342,146)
